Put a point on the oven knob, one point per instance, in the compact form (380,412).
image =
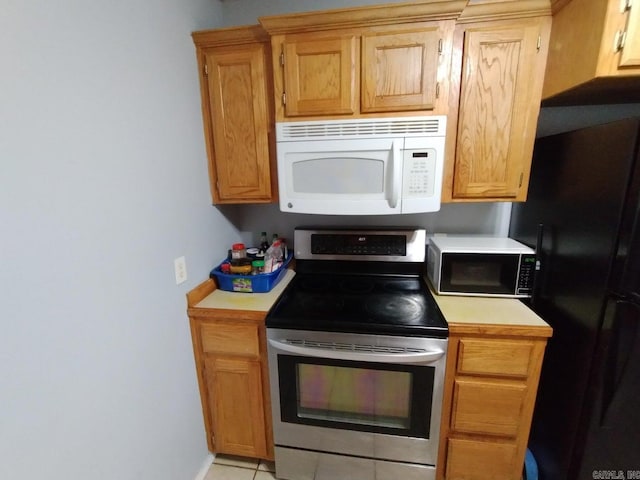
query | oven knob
(290,205)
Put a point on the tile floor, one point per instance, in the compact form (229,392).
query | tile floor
(227,467)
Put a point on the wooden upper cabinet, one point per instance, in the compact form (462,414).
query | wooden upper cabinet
(319,75)
(237,114)
(630,49)
(502,73)
(594,53)
(399,70)
(372,72)
(380,60)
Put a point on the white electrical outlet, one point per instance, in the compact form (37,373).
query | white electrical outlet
(180,267)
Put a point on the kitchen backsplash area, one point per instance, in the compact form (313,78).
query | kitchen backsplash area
(480,218)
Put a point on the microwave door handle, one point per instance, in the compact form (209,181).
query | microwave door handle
(426,356)
(396,174)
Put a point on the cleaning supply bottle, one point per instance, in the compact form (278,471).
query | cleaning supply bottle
(274,257)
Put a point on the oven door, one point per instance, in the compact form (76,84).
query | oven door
(371,396)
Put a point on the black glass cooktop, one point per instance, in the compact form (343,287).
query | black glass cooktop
(393,305)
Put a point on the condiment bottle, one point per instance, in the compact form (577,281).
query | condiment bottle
(257,267)
(241,266)
(238,251)
(264,243)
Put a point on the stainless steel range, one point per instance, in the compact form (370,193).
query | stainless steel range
(357,349)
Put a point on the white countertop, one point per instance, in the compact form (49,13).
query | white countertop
(261,302)
(488,311)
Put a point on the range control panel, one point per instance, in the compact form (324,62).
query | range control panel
(358,244)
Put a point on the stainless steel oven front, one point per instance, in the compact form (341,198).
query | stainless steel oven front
(353,405)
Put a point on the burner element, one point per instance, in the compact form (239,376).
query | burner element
(393,307)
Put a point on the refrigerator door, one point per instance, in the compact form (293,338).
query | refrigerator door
(625,276)
(578,191)
(613,426)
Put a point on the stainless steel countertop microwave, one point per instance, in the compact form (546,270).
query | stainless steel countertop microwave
(480,266)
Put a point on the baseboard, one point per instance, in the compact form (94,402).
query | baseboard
(205,467)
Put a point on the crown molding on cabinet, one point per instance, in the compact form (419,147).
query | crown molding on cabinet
(230,36)
(483,10)
(398,13)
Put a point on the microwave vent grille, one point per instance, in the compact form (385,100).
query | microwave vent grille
(393,127)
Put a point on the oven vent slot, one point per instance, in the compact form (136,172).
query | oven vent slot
(353,347)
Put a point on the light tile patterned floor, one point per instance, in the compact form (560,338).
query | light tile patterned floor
(226,467)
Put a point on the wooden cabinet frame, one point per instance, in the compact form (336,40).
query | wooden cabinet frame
(359,51)
(495,103)
(237,112)
(588,62)
(489,395)
(230,351)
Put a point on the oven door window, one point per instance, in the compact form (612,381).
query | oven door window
(362,396)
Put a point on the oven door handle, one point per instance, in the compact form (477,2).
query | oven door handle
(422,357)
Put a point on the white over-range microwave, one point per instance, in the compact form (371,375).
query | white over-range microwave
(361,167)
(480,266)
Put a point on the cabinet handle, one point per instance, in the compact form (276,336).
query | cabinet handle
(619,39)
(437,89)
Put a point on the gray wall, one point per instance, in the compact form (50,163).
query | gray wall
(103,182)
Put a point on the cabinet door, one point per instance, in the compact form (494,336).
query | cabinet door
(320,75)
(630,56)
(487,407)
(235,393)
(480,460)
(239,162)
(503,69)
(399,71)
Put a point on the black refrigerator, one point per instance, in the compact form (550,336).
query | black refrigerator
(582,215)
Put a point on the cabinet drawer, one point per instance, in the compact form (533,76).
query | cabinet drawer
(487,407)
(231,339)
(494,357)
(472,460)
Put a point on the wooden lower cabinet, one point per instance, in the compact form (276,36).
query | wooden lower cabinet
(490,391)
(231,363)
(480,460)
(235,394)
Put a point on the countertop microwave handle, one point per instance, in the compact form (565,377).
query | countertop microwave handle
(396,174)
(421,357)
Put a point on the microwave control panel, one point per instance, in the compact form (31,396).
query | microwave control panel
(526,274)
(419,173)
